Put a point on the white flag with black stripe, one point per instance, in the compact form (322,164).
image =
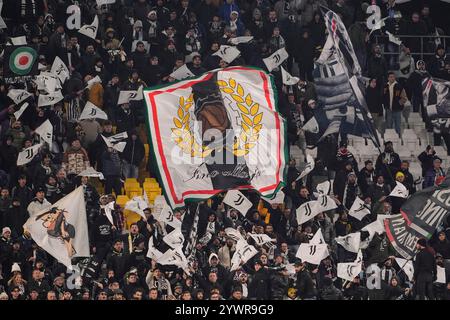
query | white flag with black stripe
(276,59)
(234,234)
(91,172)
(137,205)
(312,253)
(243,253)
(260,239)
(399,191)
(90,30)
(174,239)
(169,218)
(359,209)
(19,112)
(28,154)
(181,73)
(278,198)
(317,238)
(49,99)
(311,126)
(152,252)
(308,168)
(350,242)
(237,200)
(227,53)
(91,111)
(243,39)
(18,95)
(349,270)
(287,78)
(60,69)
(125,96)
(407,266)
(45,131)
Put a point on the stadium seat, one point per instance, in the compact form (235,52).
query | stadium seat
(121,200)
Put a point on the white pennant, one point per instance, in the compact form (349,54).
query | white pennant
(93,81)
(260,239)
(91,111)
(125,96)
(174,239)
(317,238)
(90,30)
(152,252)
(311,126)
(276,59)
(116,142)
(399,191)
(234,234)
(287,78)
(45,131)
(324,187)
(109,207)
(166,215)
(60,69)
(308,168)
(243,39)
(227,53)
(359,209)
(278,198)
(349,270)
(407,266)
(49,99)
(18,41)
(137,205)
(310,209)
(91,172)
(393,38)
(312,253)
(19,112)
(237,200)
(18,95)
(243,253)
(28,154)
(102,2)
(48,82)
(440,277)
(181,73)
(350,242)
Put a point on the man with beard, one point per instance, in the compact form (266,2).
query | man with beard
(366,177)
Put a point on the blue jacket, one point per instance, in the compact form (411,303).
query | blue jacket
(430,177)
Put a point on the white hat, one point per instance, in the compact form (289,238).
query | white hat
(6,229)
(15,267)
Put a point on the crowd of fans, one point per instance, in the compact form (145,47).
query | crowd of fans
(142,42)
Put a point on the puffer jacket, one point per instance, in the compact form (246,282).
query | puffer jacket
(75,160)
(331,293)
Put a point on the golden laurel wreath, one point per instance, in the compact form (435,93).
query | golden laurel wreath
(250,122)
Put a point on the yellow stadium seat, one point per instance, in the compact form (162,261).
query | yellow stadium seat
(121,200)
(147,149)
(134,192)
(150,180)
(130,218)
(130,180)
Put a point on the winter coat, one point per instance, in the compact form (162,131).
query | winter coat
(331,293)
(443,247)
(75,160)
(398,99)
(374,100)
(278,285)
(111,164)
(119,262)
(305,286)
(259,287)
(96,95)
(134,151)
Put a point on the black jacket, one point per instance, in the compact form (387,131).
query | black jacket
(425,264)
(134,151)
(305,286)
(259,287)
